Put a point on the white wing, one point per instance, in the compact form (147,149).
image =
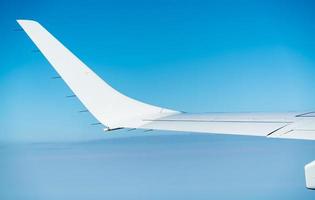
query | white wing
(115,110)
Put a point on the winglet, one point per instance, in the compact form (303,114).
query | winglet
(110,107)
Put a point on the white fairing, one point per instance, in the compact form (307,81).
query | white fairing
(116,110)
(310,175)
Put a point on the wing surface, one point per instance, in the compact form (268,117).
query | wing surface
(116,110)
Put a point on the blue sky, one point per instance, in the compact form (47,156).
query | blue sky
(196,56)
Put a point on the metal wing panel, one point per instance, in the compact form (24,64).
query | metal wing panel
(302,128)
(274,125)
(299,134)
(252,124)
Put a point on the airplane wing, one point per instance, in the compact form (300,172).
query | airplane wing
(115,110)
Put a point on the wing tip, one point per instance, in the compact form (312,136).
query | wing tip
(22,22)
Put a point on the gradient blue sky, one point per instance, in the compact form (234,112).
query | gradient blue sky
(196,56)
